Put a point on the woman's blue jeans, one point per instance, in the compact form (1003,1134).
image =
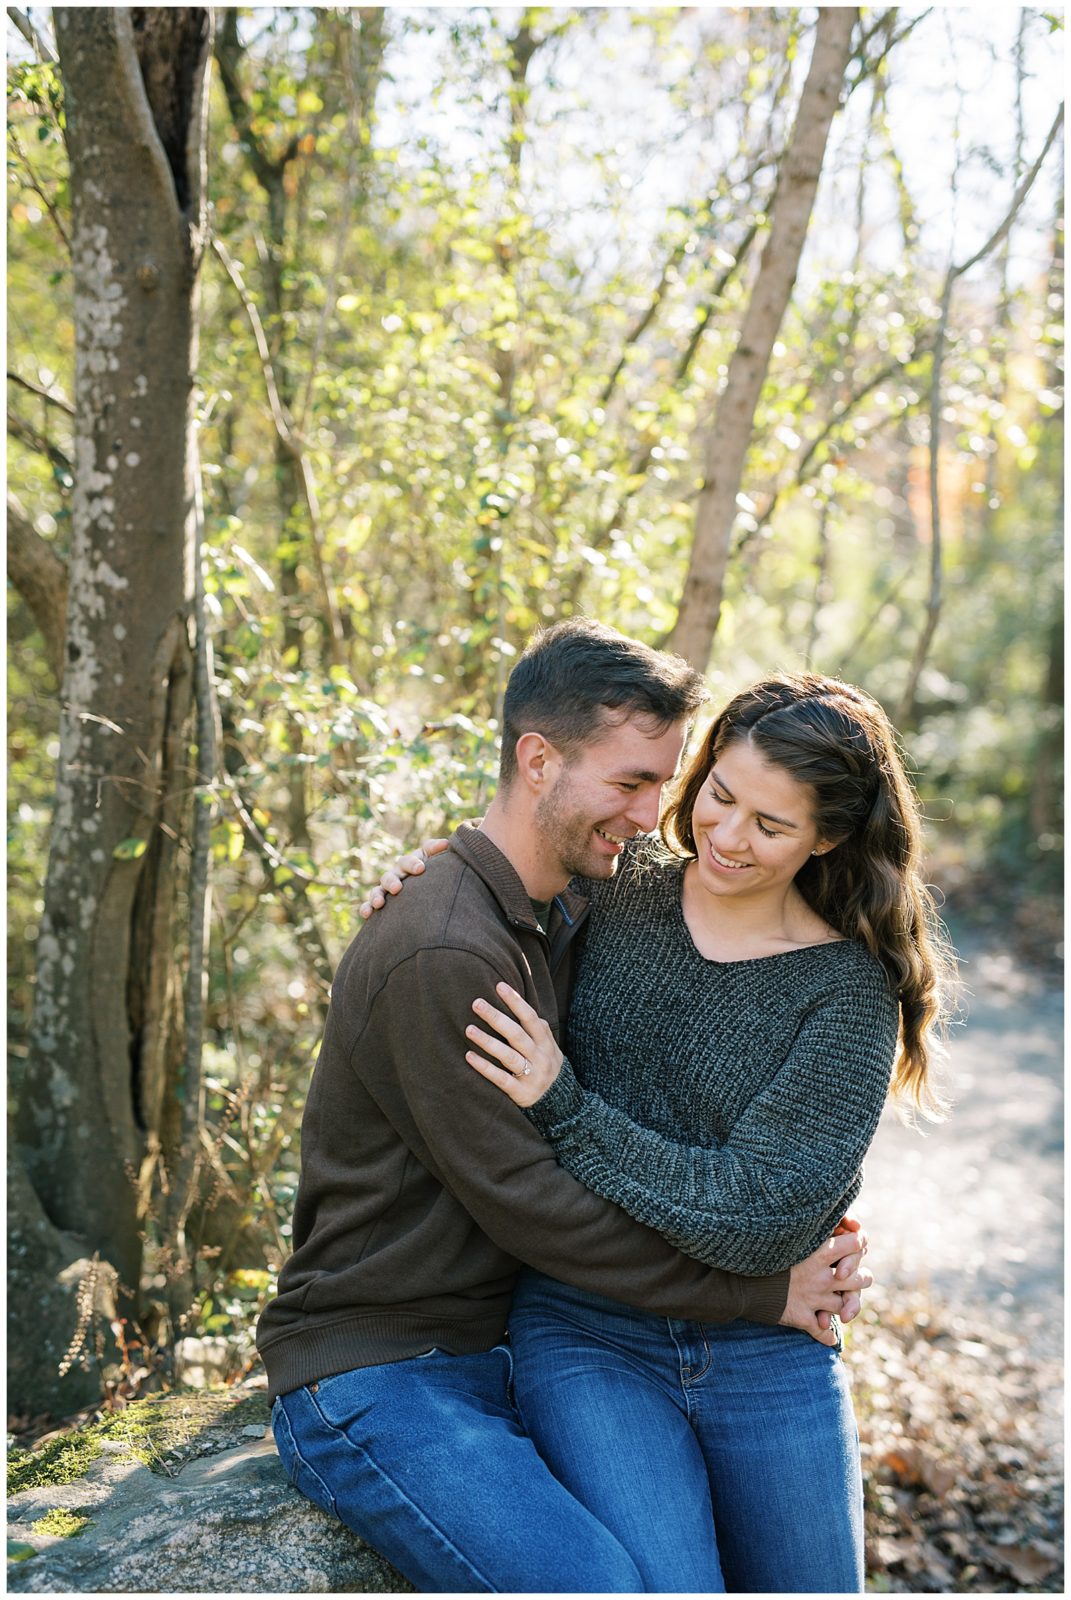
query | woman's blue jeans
(426,1460)
(723,1457)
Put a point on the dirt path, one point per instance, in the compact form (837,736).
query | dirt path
(973,1211)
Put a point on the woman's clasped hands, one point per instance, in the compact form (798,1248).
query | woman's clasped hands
(526,1057)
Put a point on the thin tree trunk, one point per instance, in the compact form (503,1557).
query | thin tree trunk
(726,448)
(932,615)
(1045,789)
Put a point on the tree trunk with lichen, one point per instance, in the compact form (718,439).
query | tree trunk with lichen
(98,1096)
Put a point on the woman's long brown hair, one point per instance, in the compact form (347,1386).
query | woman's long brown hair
(838,740)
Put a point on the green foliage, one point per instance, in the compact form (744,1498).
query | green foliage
(499,319)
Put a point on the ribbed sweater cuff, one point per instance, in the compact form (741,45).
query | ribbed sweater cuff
(765,1298)
(561,1102)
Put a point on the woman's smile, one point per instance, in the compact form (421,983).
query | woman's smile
(723,861)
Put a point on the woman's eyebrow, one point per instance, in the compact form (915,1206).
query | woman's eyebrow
(767,816)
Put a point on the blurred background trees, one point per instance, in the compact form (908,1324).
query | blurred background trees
(470,325)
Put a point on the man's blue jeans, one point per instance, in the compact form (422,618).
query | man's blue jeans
(724,1458)
(427,1461)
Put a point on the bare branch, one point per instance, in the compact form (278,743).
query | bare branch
(293,444)
(644,320)
(35,186)
(891,594)
(33,35)
(673,261)
(689,353)
(808,465)
(51,396)
(283,424)
(40,577)
(934,598)
(868,66)
(184,1178)
(37,442)
(1017,200)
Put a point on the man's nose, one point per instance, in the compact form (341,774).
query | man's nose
(643,810)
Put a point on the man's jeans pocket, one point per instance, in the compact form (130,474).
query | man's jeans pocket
(297,1469)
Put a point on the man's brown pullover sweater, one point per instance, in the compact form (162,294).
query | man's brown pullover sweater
(422,1186)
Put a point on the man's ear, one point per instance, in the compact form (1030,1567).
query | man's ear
(538,762)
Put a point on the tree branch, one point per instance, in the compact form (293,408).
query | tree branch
(1017,200)
(294,445)
(184,1179)
(804,470)
(32,35)
(268,169)
(22,431)
(644,320)
(689,353)
(130,82)
(282,422)
(934,599)
(869,66)
(35,186)
(865,631)
(51,396)
(40,577)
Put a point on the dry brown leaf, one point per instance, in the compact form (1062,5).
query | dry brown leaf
(914,1464)
(1027,1563)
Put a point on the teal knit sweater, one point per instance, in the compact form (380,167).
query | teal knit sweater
(726,1104)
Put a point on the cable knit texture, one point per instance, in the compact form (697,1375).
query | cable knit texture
(727,1104)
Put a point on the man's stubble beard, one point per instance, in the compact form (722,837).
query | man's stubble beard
(565,835)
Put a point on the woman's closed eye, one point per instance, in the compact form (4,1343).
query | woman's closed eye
(723,800)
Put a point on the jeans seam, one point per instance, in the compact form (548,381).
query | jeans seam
(421,1515)
(307,1465)
(687,1377)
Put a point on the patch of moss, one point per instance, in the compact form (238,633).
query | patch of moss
(149,1429)
(61,1524)
(59,1461)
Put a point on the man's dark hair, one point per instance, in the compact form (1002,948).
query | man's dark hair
(573,677)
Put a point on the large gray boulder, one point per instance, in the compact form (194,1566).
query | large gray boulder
(228,1523)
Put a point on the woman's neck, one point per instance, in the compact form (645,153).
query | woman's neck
(739,927)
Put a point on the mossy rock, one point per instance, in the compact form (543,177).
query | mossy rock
(181,1493)
(161,1432)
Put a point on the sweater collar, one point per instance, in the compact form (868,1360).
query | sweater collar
(501,877)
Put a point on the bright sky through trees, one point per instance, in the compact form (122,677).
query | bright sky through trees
(951,100)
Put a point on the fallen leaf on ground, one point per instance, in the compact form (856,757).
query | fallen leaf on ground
(1026,1563)
(913,1463)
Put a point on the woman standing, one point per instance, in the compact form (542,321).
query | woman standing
(734,1025)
